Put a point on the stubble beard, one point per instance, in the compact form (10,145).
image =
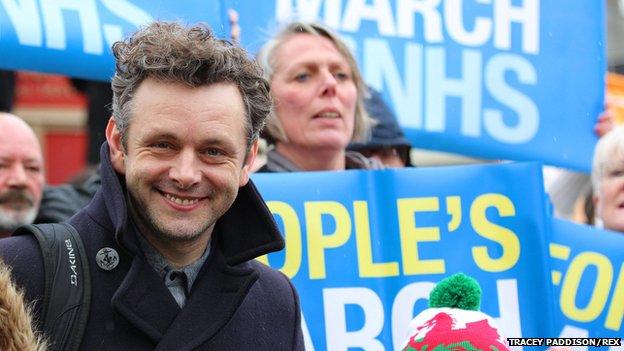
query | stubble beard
(148,221)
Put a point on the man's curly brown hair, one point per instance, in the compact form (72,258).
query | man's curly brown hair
(172,53)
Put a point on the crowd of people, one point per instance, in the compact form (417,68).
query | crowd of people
(168,197)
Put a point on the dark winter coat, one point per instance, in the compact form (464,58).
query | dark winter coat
(236,303)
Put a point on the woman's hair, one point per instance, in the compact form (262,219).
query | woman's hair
(267,60)
(608,153)
(16,327)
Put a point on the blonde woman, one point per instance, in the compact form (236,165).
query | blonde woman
(319,101)
(16,333)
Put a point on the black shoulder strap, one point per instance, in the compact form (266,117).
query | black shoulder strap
(67,292)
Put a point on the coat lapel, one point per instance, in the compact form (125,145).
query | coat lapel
(218,292)
(144,300)
(247,230)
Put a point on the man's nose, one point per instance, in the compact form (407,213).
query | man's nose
(17,176)
(185,170)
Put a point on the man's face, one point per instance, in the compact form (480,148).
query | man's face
(21,174)
(390,157)
(185,157)
(609,200)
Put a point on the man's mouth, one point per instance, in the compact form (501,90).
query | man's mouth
(181,201)
(17,199)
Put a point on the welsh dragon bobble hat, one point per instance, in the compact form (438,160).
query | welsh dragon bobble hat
(453,320)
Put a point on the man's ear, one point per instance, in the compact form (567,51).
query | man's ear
(115,146)
(248,165)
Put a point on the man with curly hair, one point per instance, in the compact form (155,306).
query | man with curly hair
(176,225)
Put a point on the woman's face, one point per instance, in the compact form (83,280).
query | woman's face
(609,201)
(314,92)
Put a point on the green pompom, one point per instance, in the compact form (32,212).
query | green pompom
(457,291)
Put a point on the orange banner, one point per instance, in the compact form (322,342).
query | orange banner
(614,96)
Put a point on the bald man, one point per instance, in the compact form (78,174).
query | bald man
(21,174)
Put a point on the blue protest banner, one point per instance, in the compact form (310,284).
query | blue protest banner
(365,248)
(519,80)
(75,37)
(588,275)
(500,79)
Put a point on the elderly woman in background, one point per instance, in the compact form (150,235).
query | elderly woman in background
(608,180)
(319,101)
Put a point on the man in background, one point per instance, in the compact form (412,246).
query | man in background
(21,173)
(7,90)
(388,144)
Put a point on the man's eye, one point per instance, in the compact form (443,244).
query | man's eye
(34,169)
(213,152)
(161,145)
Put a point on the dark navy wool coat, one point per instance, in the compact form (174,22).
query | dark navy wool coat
(236,303)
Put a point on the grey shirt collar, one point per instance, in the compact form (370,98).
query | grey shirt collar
(164,269)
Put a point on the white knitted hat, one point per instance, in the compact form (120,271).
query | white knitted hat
(453,320)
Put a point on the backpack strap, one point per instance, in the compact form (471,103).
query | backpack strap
(67,293)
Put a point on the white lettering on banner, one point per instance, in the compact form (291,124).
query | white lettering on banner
(527,16)
(416,94)
(381,67)
(309,10)
(305,10)
(466,88)
(403,309)
(24,16)
(127,11)
(421,90)
(379,11)
(25,19)
(432,22)
(526,110)
(498,27)
(307,339)
(338,337)
(52,11)
(454,22)
(509,320)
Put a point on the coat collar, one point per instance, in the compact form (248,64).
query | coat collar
(144,301)
(247,230)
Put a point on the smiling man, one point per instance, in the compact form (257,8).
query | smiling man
(174,229)
(21,174)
